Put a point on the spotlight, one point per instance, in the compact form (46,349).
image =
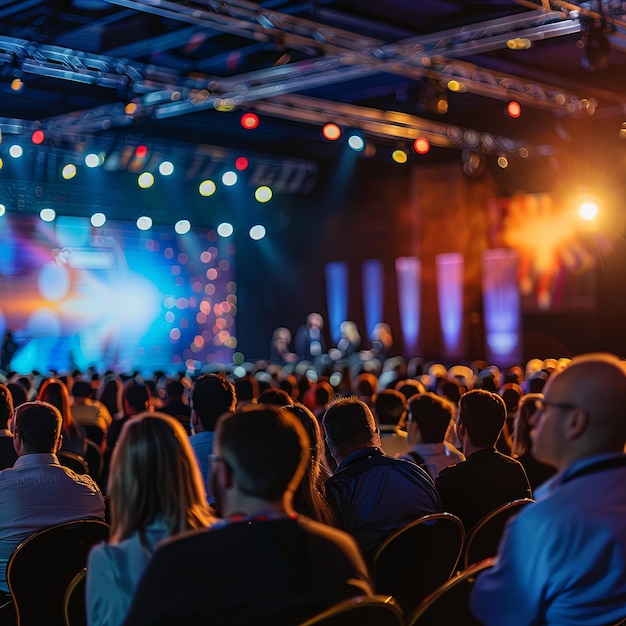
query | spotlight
(249,121)
(225,229)
(332,132)
(207,188)
(263,194)
(98,220)
(144,223)
(229,178)
(37,137)
(588,210)
(47,215)
(513,109)
(257,232)
(16,151)
(68,171)
(356,143)
(145,180)
(421,145)
(166,168)
(182,227)
(399,156)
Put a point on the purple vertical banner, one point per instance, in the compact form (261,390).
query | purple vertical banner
(372,285)
(450,298)
(408,272)
(501,304)
(336,297)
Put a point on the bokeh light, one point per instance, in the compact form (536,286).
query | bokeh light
(47,215)
(98,220)
(399,156)
(421,145)
(229,178)
(92,160)
(332,132)
(37,137)
(249,121)
(241,163)
(263,194)
(588,210)
(225,229)
(182,227)
(144,223)
(68,171)
(513,109)
(145,180)
(503,162)
(166,168)
(207,188)
(16,151)
(356,142)
(257,232)
(3,210)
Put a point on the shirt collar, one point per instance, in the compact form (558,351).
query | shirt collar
(29,460)
(357,455)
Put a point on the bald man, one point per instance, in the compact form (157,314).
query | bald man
(563,559)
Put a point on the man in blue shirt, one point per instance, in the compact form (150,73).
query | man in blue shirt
(211,397)
(562,560)
(38,492)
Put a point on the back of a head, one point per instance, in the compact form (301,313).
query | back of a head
(511,394)
(275,397)
(349,423)
(527,407)
(432,415)
(409,387)
(483,414)
(6,406)
(155,475)
(18,393)
(212,396)
(246,388)
(136,395)
(39,425)
(266,448)
(55,392)
(365,384)
(175,389)
(390,406)
(323,393)
(81,389)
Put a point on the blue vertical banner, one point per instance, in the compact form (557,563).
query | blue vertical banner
(501,306)
(372,287)
(336,297)
(450,269)
(409,273)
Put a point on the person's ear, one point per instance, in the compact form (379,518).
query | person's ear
(577,423)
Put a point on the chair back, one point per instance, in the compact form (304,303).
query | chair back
(94,459)
(419,557)
(362,610)
(73,461)
(43,565)
(450,603)
(484,539)
(74,601)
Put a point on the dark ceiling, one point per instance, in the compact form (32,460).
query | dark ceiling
(190,69)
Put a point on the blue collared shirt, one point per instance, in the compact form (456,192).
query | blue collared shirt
(38,492)
(562,560)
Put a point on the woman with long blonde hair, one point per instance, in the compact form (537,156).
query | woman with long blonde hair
(156,491)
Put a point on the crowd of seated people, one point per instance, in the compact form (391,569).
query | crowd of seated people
(216,508)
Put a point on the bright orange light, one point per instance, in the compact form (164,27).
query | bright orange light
(38,137)
(332,132)
(588,210)
(141,151)
(130,108)
(241,163)
(513,109)
(421,145)
(249,121)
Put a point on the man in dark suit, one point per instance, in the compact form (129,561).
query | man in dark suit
(487,478)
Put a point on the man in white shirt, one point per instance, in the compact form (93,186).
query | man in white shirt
(38,492)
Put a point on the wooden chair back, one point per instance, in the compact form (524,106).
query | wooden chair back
(74,601)
(450,603)
(484,539)
(418,558)
(43,565)
(362,610)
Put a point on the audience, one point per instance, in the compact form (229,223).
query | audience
(156,492)
(309,498)
(135,397)
(561,560)
(55,392)
(176,405)
(8,456)
(91,414)
(263,565)
(211,397)
(37,491)
(429,417)
(487,478)
(371,494)
(536,471)
(390,414)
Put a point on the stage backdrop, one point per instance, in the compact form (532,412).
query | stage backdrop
(115,297)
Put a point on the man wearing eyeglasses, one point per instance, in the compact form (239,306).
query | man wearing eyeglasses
(563,559)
